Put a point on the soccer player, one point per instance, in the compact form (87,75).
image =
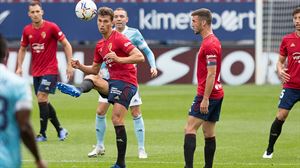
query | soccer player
(120,21)
(288,69)
(42,36)
(119,55)
(206,107)
(15,107)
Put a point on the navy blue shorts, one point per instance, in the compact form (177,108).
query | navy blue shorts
(45,83)
(121,92)
(214,109)
(288,97)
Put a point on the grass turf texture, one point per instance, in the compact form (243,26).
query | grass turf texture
(242,133)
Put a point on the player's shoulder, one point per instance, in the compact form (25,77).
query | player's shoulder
(133,30)
(11,79)
(212,40)
(289,36)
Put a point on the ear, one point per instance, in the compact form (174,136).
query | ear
(203,22)
(42,11)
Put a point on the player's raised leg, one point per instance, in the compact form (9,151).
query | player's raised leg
(90,82)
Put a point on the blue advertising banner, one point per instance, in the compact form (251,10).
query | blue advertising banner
(156,21)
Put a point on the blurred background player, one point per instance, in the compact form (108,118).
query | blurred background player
(206,108)
(120,55)
(288,69)
(15,108)
(120,21)
(42,36)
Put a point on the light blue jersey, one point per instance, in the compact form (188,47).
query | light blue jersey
(137,40)
(15,94)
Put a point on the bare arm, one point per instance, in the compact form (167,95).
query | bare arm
(21,56)
(135,56)
(27,136)
(87,69)
(210,79)
(281,70)
(68,52)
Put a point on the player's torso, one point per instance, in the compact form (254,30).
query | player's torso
(126,72)
(293,60)
(39,39)
(9,131)
(203,58)
(43,46)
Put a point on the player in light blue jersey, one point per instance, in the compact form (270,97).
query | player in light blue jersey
(120,21)
(15,107)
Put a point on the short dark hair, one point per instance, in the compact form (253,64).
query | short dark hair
(35,2)
(204,14)
(3,49)
(120,8)
(296,11)
(104,11)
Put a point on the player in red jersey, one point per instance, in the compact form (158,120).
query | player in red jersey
(288,69)
(42,37)
(206,107)
(120,55)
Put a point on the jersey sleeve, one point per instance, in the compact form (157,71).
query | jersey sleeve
(58,34)
(143,46)
(24,38)
(97,57)
(125,44)
(283,49)
(211,53)
(24,97)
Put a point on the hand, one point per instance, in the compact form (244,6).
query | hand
(75,64)
(19,71)
(111,57)
(284,77)
(69,72)
(153,72)
(41,164)
(204,105)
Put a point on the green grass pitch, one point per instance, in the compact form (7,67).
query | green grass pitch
(242,133)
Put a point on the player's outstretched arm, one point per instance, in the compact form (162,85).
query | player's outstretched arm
(135,56)
(87,69)
(27,136)
(21,56)
(68,52)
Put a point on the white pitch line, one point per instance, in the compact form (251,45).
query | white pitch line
(163,162)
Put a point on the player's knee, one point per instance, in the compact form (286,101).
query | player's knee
(42,97)
(135,112)
(91,77)
(100,112)
(282,115)
(189,129)
(208,134)
(117,120)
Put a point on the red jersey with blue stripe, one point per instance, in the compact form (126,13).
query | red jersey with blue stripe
(210,54)
(290,48)
(43,45)
(122,46)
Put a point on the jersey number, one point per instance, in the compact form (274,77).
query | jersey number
(3,111)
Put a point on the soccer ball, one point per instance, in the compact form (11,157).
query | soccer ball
(86,9)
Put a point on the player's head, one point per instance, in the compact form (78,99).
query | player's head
(3,49)
(35,11)
(120,18)
(296,18)
(105,19)
(201,19)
